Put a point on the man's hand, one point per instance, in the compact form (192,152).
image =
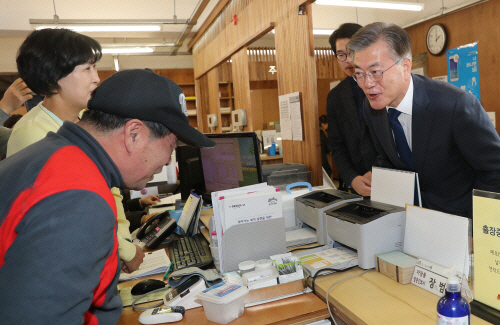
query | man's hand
(15,96)
(131,266)
(362,184)
(147,217)
(149,200)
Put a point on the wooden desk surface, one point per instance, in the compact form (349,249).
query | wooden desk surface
(298,310)
(375,299)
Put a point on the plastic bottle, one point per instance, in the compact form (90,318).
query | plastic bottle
(272,149)
(452,308)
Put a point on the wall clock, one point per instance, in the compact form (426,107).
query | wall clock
(436,39)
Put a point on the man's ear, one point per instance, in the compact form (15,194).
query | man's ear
(407,68)
(135,135)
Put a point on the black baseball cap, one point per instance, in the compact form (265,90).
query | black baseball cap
(147,96)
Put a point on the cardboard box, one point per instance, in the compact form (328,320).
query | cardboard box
(396,265)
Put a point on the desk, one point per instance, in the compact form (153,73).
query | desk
(270,160)
(375,299)
(298,310)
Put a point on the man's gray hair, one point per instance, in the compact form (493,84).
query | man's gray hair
(397,39)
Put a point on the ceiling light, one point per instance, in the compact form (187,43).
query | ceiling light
(102,28)
(122,50)
(413,6)
(106,25)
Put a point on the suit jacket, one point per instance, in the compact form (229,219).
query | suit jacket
(350,143)
(455,146)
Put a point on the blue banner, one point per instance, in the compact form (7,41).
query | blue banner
(463,68)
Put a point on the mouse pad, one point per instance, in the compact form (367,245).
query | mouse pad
(128,298)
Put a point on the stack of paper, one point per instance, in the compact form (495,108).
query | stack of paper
(243,205)
(154,263)
(189,220)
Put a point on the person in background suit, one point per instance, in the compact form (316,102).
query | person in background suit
(323,137)
(350,141)
(423,125)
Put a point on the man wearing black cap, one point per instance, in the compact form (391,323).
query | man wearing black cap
(58,246)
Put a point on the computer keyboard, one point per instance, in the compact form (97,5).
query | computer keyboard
(190,251)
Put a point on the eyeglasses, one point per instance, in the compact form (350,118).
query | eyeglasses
(341,56)
(377,75)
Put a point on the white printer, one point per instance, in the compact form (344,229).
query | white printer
(309,213)
(369,227)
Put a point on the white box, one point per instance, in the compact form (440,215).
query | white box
(223,302)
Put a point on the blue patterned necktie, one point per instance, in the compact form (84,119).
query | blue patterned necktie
(400,139)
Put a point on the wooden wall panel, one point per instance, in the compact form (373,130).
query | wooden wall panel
(296,68)
(202,103)
(295,61)
(265,108)
(241,85)
(213,97)
(223,37)
(478,23)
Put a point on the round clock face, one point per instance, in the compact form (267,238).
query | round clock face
(436,39)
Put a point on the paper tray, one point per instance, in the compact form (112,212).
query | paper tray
(263,295)
(252,241)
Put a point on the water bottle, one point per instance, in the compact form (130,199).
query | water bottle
(452,308)
(272,149)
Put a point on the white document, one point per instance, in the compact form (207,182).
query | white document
(169,199)
(294,100)
(252,207)
(154,263)
(285,118)
(438,237)
(395,187)
(268,137)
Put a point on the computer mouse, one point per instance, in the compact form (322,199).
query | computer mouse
(146,286)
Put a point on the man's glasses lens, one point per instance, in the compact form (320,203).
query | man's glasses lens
(341,57)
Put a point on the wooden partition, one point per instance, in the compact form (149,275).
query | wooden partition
(295,62)
(241,85)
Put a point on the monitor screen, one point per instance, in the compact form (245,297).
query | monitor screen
(190,175)
(233,162)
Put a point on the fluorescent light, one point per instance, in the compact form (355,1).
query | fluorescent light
(323,31)
(118,50)
(105,28)
(413,6)
(117,65)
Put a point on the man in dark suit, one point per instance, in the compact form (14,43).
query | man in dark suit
(348,136)
(427,126)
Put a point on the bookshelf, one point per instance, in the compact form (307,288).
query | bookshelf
(226,98)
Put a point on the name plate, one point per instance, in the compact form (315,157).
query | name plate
(434,278)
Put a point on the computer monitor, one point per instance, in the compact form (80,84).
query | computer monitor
(233,162)
(190,174)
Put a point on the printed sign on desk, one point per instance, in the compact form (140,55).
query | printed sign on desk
(486,211)
(463,68)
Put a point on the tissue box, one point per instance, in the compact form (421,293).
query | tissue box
(396,265)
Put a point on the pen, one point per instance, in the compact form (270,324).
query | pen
(170,268)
